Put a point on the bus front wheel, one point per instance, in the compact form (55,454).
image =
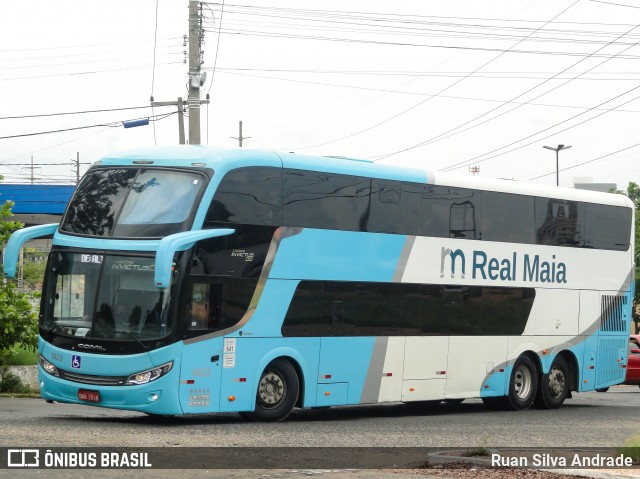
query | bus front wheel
(277,393)
(554,386)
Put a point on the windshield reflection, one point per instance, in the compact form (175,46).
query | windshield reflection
(106,297)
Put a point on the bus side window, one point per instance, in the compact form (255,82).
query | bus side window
(203,308)
(250,195)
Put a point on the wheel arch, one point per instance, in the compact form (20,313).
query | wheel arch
(294,358)
(572,362)
(534,357)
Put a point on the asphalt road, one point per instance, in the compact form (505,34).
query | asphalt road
(588,420)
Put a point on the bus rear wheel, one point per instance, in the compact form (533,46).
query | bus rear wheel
(523,387)
(277,393)
(554,386)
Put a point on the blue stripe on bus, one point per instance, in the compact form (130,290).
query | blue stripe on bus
(266,321)
(338,256)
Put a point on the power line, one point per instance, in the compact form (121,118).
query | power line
(215,60)
(422,45)
(616,4)
(153,71)
(113,125)
(401,92)
(92,72)
(588,161)
(440,92)
(452,132)
(73,112)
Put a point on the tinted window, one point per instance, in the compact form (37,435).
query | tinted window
(436,208)
(324,308)
(507,218)
(133,202)
(319,200)
(389,207)
(159,203)
(249,195)
(217,303)
(240,255)
(464,213)
(607,227)
(559,222)
(97,201)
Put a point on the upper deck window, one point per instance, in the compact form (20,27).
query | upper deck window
(133,203)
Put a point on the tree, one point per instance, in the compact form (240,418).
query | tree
(18,324)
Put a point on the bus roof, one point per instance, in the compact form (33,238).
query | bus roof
(216,157)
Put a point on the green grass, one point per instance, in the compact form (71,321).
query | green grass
(21,357)
(632,449)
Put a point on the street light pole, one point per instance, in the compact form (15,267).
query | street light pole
(557,150)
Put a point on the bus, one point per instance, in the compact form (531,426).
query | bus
(191,280)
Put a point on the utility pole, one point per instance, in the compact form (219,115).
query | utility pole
(77,164)
(32,168)
(196,79)
(240,137)
(196,76)
(180,104)
(77,167)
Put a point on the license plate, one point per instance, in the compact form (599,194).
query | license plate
(90,396)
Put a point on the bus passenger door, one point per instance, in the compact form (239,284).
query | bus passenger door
(202,358)
(200,376)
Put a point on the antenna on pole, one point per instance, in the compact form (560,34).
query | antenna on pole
(240,137)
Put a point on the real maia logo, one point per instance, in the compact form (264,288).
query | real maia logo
(531,268)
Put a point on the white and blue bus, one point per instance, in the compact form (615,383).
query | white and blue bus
(189,280)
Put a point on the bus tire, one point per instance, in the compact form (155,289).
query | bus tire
(554,386)
(523,384)
(602,390)
(277,393)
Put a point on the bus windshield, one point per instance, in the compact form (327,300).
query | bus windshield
(133,203)
(105,297)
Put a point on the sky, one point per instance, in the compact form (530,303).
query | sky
(430,84)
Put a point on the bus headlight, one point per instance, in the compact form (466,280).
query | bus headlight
(149,375)
(47,366)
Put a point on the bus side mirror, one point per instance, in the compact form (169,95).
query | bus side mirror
(20,237)
(179,242)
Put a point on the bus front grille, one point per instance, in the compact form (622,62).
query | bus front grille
(89,379)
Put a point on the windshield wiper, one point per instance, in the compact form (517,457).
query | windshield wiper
(53,328)
(136,339)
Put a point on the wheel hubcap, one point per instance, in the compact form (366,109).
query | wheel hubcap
(556,383)
(271,389)
(522,382)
